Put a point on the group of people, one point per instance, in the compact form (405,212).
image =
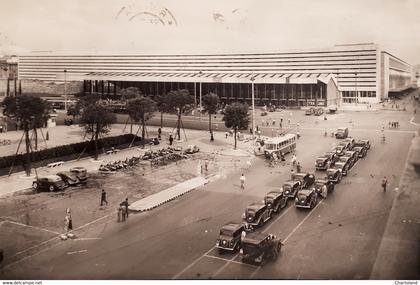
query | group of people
(122,209)
(393,124)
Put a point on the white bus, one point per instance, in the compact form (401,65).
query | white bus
(283,144)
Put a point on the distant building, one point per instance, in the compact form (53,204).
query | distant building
(357,73)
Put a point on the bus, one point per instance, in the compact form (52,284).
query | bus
(283,144)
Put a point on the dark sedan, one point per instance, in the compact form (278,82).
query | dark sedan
(306,179)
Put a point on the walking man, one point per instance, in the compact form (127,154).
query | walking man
(293,160)
(242,179)
(298,167)
(206,165)
(103,198)
(171,139)
(68,221)
(384,183)
(159,133)
(125,205)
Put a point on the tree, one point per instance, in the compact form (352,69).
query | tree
(26,111)
(236,117)
(179,101)
(140,110)
(210,102)
(42,110)
(162,106)
(73,110)
(96,120)
(127,94)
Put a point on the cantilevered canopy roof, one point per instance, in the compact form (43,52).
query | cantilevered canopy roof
(210,77)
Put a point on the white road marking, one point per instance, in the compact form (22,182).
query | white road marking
(273,222)
(225,265)
(231,260)
(78,251)
(87,238)
(33,227)
(192,264)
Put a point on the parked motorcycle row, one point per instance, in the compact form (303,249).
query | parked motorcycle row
(119,164)
(304,188)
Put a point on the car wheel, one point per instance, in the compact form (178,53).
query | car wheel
(35,186)
(51,188)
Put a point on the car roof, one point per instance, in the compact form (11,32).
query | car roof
(232,226)
(51,177)
(321,157)
(305,191)
(290,182)
(300,174)
(255,237)
(274,193)
(256,206)
(320,180)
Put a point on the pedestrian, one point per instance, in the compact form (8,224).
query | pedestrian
(267,123)
(281,120)
(281,124)
(68,221)
(292,173)
(288,121)
(298,135)
(258,128)
(324,191)
(298,167)
(242,180)
(159,133)
(226,134)
(125,205)
(282,156)
(103,198)
(293,160)
(119,214)
(122,212)
(384,183)
(171,139)
(259,133)
(274,122)
(206,165)
(211,136)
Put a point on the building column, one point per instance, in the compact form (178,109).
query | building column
(8,87)
(15,86)
(115,88)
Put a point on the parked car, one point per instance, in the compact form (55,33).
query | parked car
(332,156)
(334,175)
(258,248)
(192,149)
(353,154)
(275,200)
(309,111)
(256,214)
(342,133)
(49,182)
(351,141)
(362,151)
(363,143)
(322,163)
(230,237)
(319,183)
(340,150)
(80,172)
(319,112)
(272,108)
(264,113)
(342,166)
(305,178)
(346,144)
(291,187)
(306,198)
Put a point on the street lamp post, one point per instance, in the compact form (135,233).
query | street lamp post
(253,106)
(65,90)
(356,99)
(200,72)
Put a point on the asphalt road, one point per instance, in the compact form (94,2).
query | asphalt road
(339,239)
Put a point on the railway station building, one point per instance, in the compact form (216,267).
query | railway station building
(342,74)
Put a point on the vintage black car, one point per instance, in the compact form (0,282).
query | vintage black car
(258,248)
(332,156)
(353,154)
(342,166)
(346,144)
(264,113)
(49,182)
(334,175)
(257,214)
(319,112)
(322,163)
(351,141)
(306,179)
(80,172)
(306,198)
(310,111)
(76,175)
(192,149)
(362,151)
(363,143)
(291,187)
(319,183)
(342,133)
(339,150)
(230,237)
(275,200)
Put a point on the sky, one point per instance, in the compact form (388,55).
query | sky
(207,26)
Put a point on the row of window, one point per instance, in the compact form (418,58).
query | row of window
(364,94)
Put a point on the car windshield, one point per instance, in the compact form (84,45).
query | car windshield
(320,159)
(340,130)
(250,212)
(270,146)
(226,232)
(287,187)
